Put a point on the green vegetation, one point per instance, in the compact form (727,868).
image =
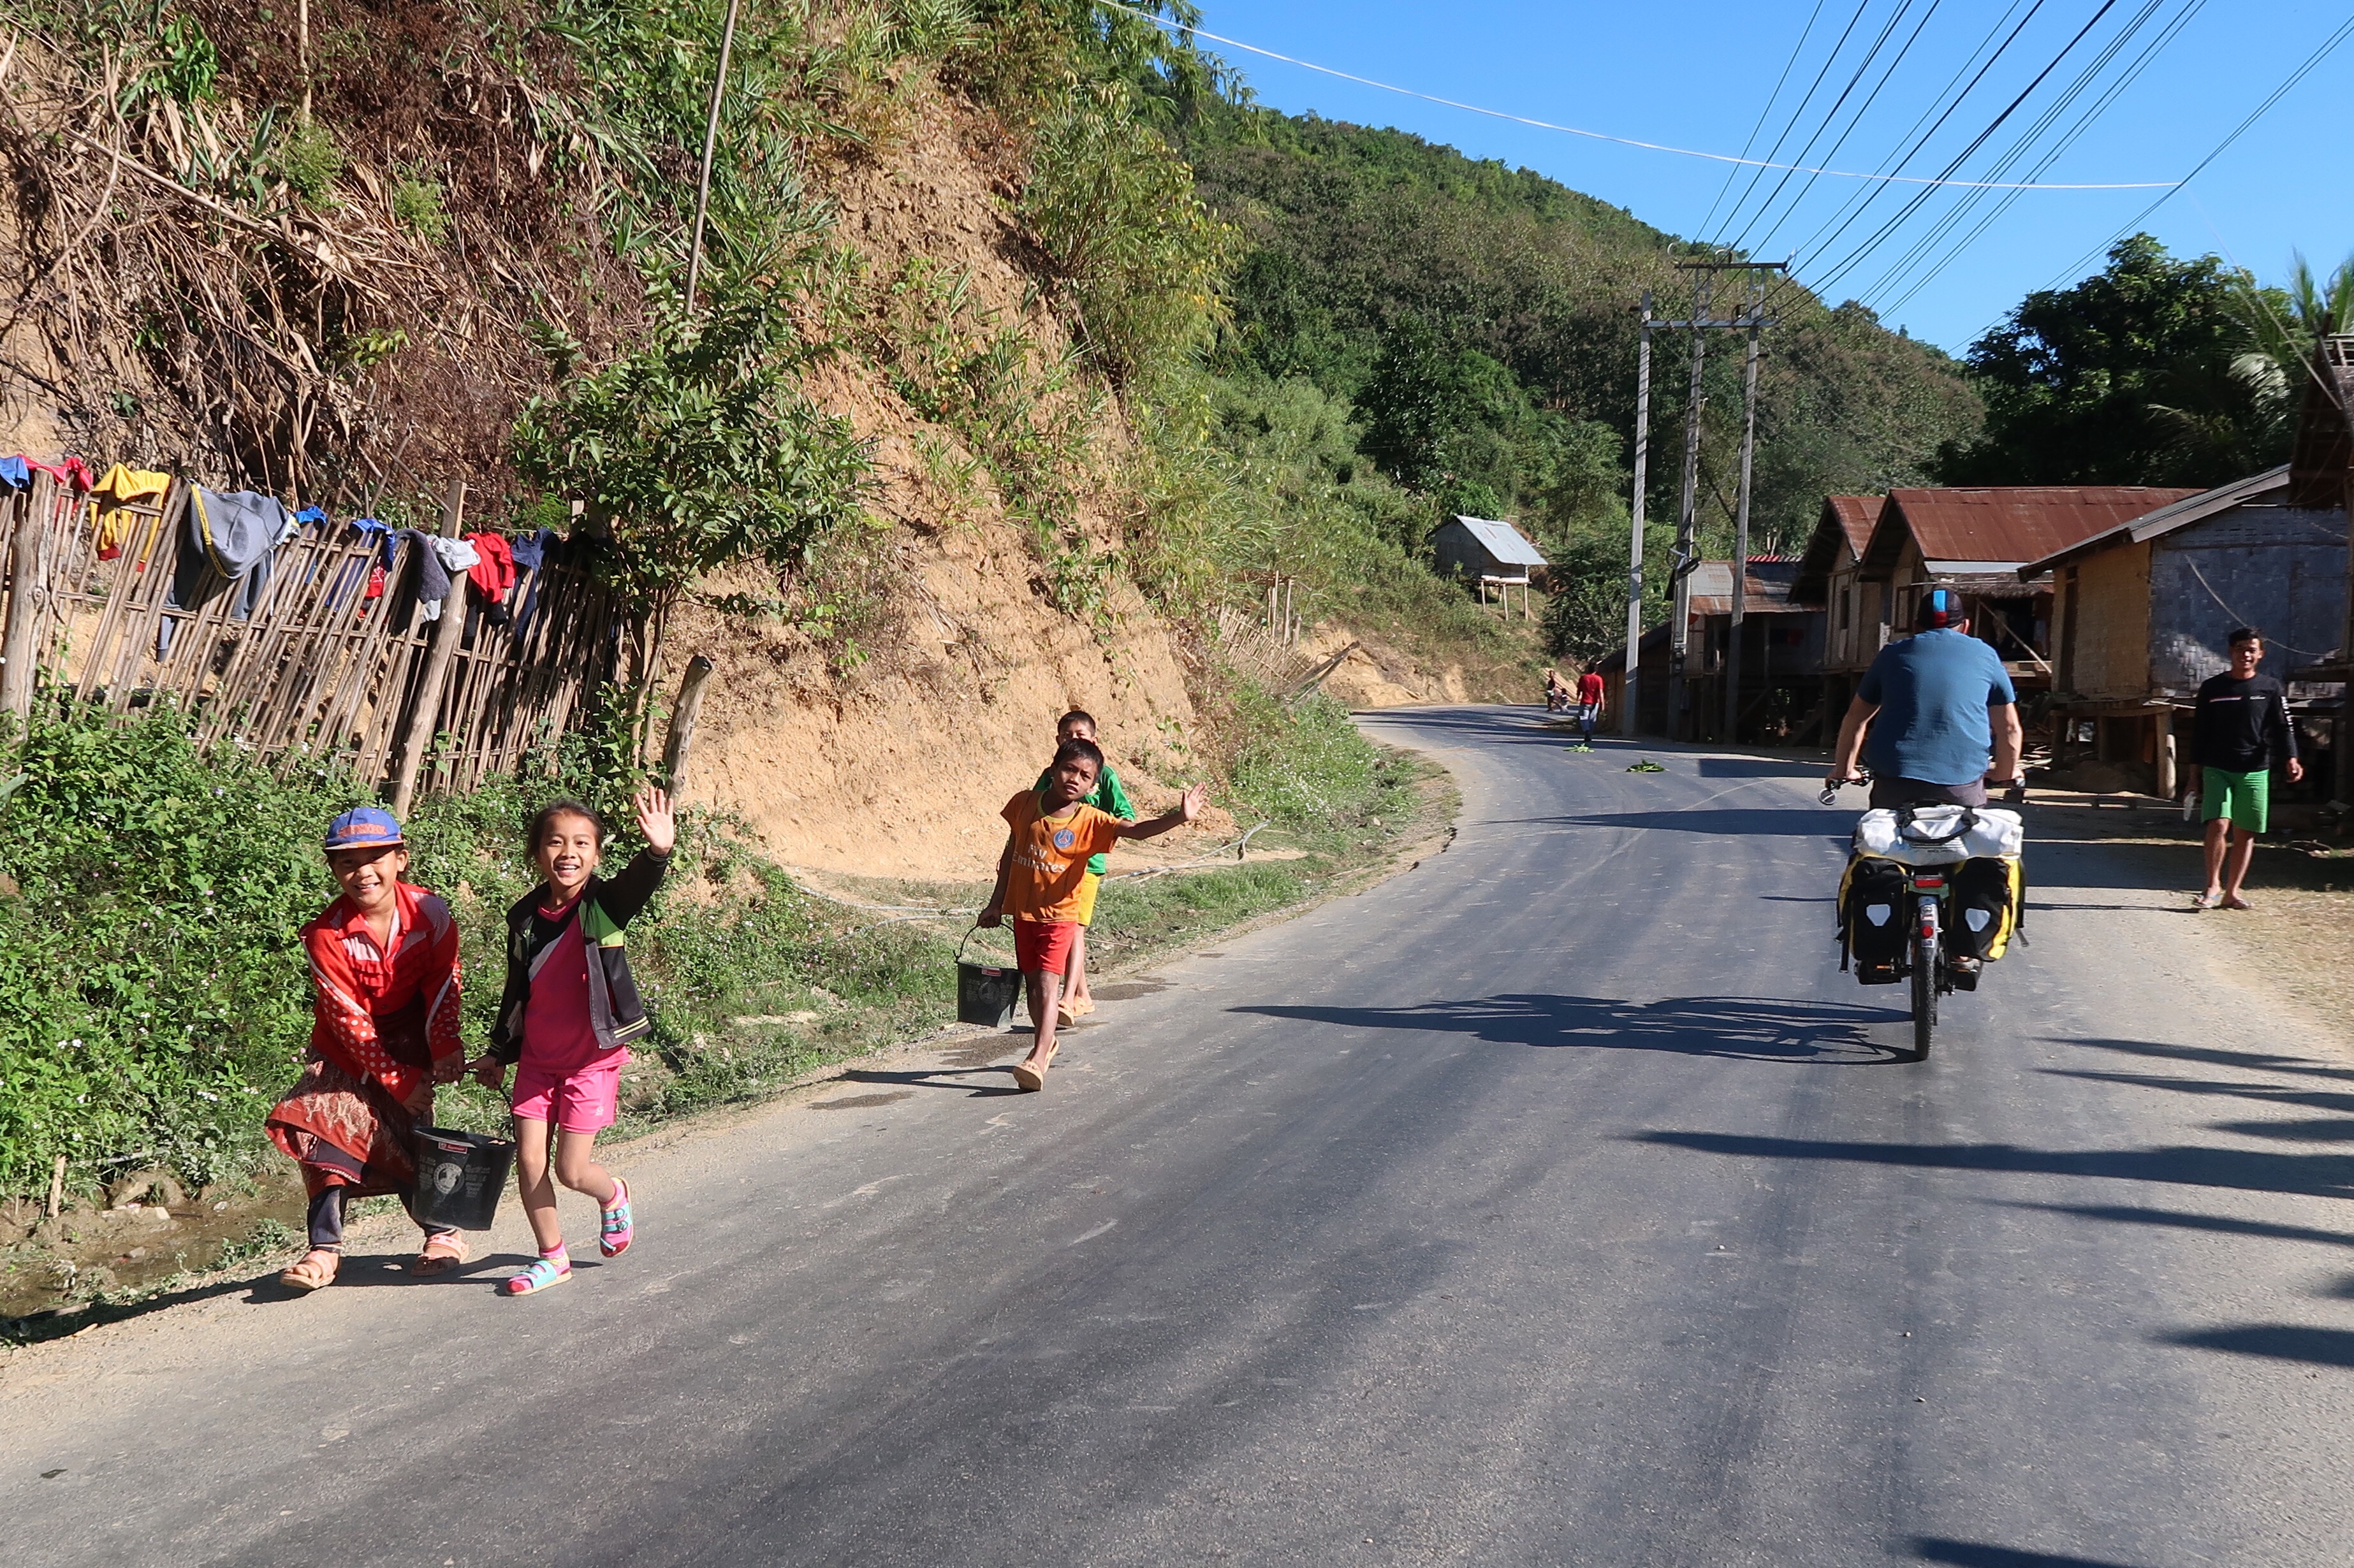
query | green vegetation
(2155,370)
(155,1001)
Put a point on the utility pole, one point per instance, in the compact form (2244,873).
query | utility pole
(1627,691)
(1741,517)
(1687,553)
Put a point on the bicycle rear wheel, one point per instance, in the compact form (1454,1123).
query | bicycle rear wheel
(1924,991)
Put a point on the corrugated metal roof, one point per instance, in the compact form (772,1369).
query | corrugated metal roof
(1857,515)
(1502,541)
(2011,524)
(1767,590)
(2165,519)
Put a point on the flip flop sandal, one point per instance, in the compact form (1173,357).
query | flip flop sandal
(2207,901)
(544,1274)
(307,1275)
(613,1231)
(444,1251)
(1067,1012)
(1032,1079)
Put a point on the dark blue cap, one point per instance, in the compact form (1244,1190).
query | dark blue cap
(364,827)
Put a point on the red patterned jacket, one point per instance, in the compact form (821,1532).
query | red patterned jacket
(379,1014)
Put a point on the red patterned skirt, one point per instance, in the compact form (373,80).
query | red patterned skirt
(346,1131)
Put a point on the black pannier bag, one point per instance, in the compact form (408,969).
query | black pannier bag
(1871,917)
(1984,900)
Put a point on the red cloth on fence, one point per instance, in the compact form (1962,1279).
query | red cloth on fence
(72,472)
(494,572)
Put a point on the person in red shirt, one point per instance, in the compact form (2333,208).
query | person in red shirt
(1589,704)
(1041,879)
(384,1032)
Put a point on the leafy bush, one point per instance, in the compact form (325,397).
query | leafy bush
(699,447)
(417,207)
(309,162)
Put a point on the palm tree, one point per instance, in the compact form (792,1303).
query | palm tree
(2284,326)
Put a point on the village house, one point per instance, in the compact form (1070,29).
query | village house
(1855,623)
(2144,608)
(1781,661)
(1493,555)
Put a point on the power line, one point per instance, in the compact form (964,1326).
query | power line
(1799,109)
(2312,61)
(1764,114)
(2115,89)
(1168,25)
(1913,206)
(1855,118)
(1854,206)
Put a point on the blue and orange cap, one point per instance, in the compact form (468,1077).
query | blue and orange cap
(1939,608)
(364,827)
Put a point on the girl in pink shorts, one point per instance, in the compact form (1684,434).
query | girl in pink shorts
(565,1021)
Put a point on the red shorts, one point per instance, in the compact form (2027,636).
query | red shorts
(585,1099)
(1045,944)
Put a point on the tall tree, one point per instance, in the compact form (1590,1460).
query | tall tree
(2126,378)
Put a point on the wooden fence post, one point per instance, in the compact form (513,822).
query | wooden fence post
(439,652)
(27,600)
(682,724)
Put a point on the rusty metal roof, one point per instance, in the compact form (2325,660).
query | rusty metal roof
(1846,524)
(2008,526)
(1770,580)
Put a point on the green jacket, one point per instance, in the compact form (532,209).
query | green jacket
(614,1008)
(1107,796)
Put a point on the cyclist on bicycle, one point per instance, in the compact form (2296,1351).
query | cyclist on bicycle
(1944,718)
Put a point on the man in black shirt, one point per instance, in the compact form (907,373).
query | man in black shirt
(2239,729)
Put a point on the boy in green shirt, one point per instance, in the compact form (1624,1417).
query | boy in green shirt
(1077,1002)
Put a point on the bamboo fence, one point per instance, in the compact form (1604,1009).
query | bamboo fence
(294,664)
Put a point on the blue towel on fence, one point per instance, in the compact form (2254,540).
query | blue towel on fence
(14,474)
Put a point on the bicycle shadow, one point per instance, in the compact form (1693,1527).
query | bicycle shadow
(1742,1028)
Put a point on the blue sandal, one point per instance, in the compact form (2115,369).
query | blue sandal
(613,1232)
(542,1272)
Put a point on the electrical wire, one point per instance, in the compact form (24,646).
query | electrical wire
(1880,234)
(1853,209)
(1799,109)
(1854,121)
(2085,123)
(1168,25)
(1764,114)
(2312,62)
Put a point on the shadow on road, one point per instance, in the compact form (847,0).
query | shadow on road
(1749,1028)
(2238,1170)
(1976,1554)
(2273,1341)
(937,1079)
(1756,822)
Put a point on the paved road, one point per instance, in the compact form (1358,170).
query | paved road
(1557,1203)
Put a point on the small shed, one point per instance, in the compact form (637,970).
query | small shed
(1492,553)
(2143,609)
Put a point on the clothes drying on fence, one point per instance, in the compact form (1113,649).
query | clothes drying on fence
(238,529)
(492,575)
(111,501)
(71,472)
(530,552)
(439,560)
(15,474)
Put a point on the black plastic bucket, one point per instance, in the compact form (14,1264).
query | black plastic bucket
(985,992)
(460,1178)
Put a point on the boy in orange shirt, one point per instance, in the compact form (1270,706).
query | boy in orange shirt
(1039,879)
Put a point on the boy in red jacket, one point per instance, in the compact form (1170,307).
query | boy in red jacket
(383,1031)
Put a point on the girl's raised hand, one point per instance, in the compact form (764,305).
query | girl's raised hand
(1192,801)
(655,820)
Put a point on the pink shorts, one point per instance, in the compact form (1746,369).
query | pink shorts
(584,1100)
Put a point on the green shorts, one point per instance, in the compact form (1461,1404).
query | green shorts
(2245,798)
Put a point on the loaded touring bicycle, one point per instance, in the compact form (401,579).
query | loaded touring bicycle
(1931,895)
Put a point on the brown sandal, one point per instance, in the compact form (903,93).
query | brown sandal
(1032,1079)
(307,1274)
(442,1252)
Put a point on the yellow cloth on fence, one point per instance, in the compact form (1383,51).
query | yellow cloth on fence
(119,489)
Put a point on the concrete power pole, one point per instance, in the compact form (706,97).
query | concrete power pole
(1740,518)
(1627,692)
(1686,554)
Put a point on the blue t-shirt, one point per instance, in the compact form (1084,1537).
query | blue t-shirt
(1933,691)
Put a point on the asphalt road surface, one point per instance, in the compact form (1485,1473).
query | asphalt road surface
(1557,1201)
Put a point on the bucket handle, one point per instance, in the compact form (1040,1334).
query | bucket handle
(1963,824)
(967,937)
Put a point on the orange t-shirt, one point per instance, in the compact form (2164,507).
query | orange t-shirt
(1050,856)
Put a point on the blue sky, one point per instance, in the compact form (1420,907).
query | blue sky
(1699,73)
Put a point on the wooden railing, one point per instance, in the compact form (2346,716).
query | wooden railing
(301,667)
